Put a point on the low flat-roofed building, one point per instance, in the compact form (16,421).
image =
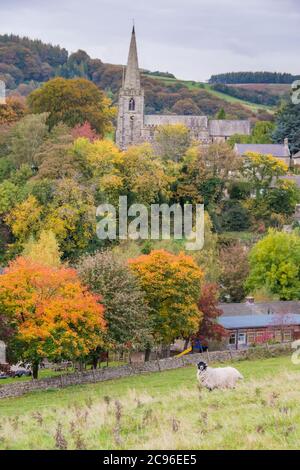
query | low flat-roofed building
(253,323)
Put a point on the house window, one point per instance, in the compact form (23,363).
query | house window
(242,338)
(277,336)
(287,335)
(131,104)
(232,338)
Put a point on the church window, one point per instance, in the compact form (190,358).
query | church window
(131,104)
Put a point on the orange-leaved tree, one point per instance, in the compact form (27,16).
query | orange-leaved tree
(52,314)
(172,284)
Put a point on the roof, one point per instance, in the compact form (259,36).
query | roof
(297,155)
(189,121)
(277,150)
(260,308)
(259,321)
(226,128)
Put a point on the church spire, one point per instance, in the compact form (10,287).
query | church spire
(132,76)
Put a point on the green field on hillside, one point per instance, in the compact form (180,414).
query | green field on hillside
(192,85)
(162,411)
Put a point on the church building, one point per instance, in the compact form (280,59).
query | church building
(134,127)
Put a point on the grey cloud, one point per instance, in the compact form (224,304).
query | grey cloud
(191,38)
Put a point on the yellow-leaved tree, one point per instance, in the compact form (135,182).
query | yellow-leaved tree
(45,250)
(172,284)
(261,170)
(24,219)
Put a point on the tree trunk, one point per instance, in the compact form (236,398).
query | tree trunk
(147,353)
(186,343)
(35,369)
(165,351)
(95,361)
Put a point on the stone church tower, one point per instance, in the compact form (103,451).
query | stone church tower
(133,127)
(131,102)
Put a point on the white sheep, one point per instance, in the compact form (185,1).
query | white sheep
(221,377)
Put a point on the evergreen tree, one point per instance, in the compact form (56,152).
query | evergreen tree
(288,126)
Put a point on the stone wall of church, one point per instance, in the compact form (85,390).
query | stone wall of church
(130,118)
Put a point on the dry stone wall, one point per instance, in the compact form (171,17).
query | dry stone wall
(159,365)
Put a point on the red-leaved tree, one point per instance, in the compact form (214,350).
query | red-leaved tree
(85,130)
(208,306)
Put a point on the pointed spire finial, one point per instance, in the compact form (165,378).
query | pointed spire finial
(132,76)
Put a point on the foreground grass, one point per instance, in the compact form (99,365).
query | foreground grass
(162,411)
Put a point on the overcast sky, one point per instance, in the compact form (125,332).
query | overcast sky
(190,38)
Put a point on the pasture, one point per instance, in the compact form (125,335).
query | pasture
(162,411)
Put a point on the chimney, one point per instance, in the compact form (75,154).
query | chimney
(249,300)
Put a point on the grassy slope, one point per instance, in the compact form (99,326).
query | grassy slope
(163,410)
(191,85)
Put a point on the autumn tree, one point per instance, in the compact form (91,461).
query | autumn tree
(101,159)
(186,107)
(51,313)
(283,198)
(172,284)
(27,137)
(8,195)
(275,265)
(13,110)
(126,311)
(54,157)
(71,216)
(45,250)
(144,178)
(262,170)
(172,141)
(233,272)
(24,218)
(85,130)
(218,160)
(136,173)
(73,102)
(204,173)
(194,184)
(210,329)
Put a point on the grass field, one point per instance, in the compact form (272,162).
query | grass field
(161,411)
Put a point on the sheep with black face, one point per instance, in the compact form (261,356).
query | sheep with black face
(220,377)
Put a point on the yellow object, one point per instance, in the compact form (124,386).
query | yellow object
(186,351)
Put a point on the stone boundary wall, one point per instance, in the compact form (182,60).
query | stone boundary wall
(111,373)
